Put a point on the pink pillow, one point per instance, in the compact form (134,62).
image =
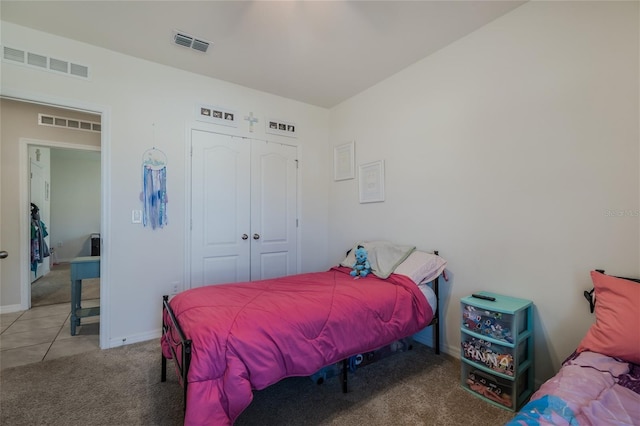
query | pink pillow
(616,332)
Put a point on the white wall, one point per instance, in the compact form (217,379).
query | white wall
(152,105)
(506,150)
(75,202)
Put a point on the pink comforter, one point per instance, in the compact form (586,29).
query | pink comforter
(248,336)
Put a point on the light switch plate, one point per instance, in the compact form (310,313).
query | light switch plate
(136,216)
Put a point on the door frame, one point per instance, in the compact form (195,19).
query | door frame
(105,189)
(23,156)
(43,204)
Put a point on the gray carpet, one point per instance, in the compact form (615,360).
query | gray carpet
(122,386)
(55,287)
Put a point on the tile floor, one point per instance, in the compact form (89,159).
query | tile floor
(43,333)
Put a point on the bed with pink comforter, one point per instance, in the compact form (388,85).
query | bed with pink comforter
(248,336)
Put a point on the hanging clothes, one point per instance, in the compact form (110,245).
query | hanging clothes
(39,248)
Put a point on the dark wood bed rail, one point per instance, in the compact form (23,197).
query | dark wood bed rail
(185,343)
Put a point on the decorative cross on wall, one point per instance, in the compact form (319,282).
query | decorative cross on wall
(252,120)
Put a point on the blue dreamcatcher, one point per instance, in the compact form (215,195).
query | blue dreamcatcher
(154,188)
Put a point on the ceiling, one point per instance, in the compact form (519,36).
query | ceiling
(317,52)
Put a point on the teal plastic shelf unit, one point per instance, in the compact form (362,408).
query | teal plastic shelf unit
(496,349)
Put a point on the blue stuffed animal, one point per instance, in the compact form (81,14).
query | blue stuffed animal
(361,267)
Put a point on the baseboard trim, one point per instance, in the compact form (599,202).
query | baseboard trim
(8,309)
(136,338)
(428,341)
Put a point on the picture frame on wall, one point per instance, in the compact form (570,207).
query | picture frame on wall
(281,127)
(216,115)
(371,182)
(344,161)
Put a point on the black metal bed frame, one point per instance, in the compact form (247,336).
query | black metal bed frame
(185,344)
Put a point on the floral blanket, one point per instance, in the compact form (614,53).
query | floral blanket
(589,389)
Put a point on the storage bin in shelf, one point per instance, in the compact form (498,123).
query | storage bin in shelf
(497,390)
(501,320)
(499,358)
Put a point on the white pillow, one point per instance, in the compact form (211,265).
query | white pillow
(383,256)
(421,266)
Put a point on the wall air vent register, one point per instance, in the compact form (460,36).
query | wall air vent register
(68,123)
(44,63)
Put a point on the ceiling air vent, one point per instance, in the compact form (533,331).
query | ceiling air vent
(44,63)
(183,39)
(200,45)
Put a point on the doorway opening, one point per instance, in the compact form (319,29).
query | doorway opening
(19,265)
(65,221)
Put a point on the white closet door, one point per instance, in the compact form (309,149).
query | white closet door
(220,208)
(273,210)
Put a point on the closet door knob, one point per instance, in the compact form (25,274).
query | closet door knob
(245,236)
(256,236)
(3,254)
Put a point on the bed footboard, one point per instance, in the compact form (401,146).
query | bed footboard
(182,362)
